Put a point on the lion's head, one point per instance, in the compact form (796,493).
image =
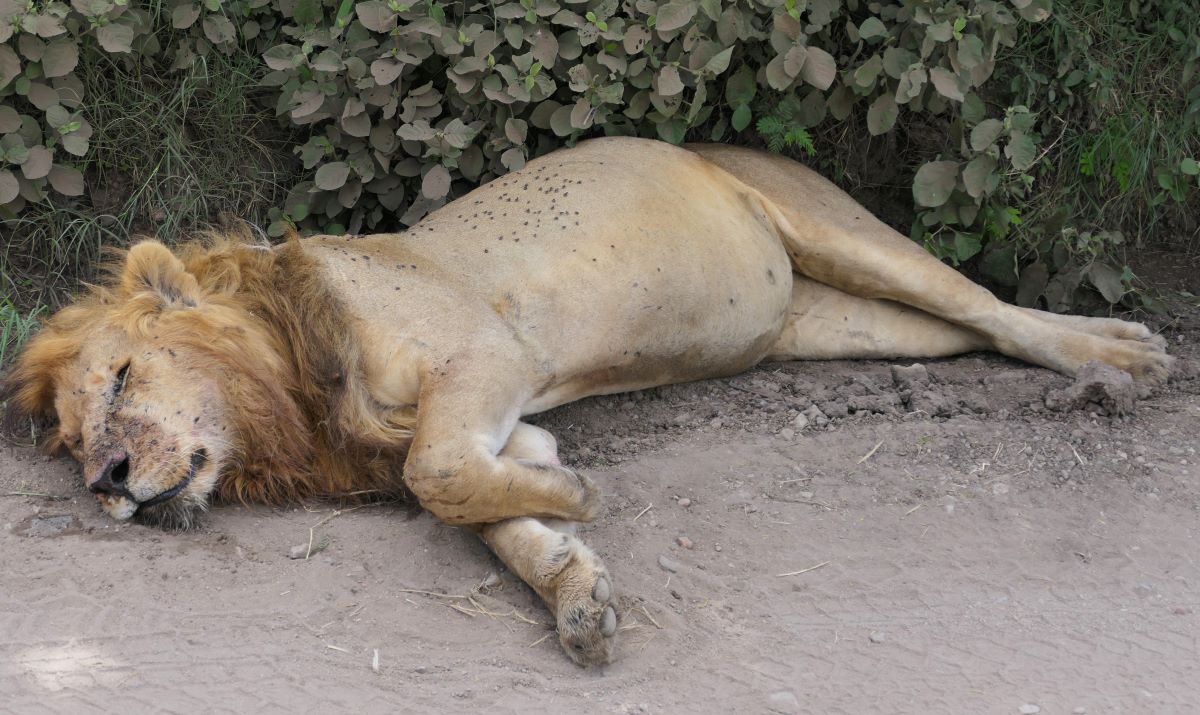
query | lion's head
(164,381)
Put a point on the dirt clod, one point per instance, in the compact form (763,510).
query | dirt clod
(906,378)
(685,542)
(1100,387)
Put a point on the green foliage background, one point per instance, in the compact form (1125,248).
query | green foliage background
(1035,142)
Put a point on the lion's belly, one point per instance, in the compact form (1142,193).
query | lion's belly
(685,306)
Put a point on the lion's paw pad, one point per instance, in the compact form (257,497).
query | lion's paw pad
(587,621)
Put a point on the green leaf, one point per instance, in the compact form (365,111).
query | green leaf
(866,73)
(985,133)
(332,176)
(376,16)
(946,83)
(872,27)
(1189,166)
(935,182)
(1107,280)
(882,114)
(57,116)
(60,58)
(672,130)
(979,176)
(10,65)
(819,68)
(973,109)
(10,121)
(741,118)
(777,76)
(970,52)
(10,187)
(675,15)
(75,144)
(37,163)
(1021,151)
(218,29)
(719,62)
(66,180)
(436,182)
(740,87)
(669,83)
(115,38)
(966,245)
(185,15)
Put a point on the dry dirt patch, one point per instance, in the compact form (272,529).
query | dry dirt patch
(808,537)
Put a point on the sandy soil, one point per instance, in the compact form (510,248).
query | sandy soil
(942,544)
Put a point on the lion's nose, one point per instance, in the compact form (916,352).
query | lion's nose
(113,476)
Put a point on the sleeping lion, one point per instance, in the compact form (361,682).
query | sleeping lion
(339,364)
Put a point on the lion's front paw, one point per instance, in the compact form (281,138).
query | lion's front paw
(587,620)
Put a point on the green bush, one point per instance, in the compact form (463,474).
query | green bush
(399,106)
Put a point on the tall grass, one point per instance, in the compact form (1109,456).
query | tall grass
(15,329)
(173,151)
(1110,80)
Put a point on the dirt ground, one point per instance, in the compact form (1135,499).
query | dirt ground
(930,541)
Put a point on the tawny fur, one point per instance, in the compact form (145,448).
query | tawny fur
(331,365)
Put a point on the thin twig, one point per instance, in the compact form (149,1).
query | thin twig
(643,511)
(539,641)
(1081,462)
(429,593)
(868,455)
(913,509)
(647,614)
(797,573)
(52,497)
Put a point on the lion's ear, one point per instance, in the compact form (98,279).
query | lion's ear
(150,266)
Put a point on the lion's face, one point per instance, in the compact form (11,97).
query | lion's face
(144,418)
(134,374)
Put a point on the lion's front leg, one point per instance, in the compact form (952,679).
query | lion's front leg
(455,465)
(548,556)
(569,577)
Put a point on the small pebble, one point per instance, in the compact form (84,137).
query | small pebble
(685,502)
(1030,709)
(876,637)
(717,547)
(492,580)
(668,564)
(298,552)
(685,542)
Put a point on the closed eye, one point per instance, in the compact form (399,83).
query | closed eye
(120,383)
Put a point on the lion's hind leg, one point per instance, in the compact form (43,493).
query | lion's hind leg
(824,323)
(547,555)
(833,239)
